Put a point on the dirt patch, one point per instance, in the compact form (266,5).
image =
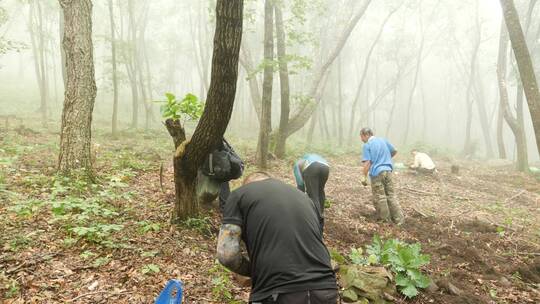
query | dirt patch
(477,225)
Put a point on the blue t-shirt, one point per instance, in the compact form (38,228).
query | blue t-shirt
(379,152)
(308,158)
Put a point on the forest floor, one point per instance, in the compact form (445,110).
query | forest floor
(68,241)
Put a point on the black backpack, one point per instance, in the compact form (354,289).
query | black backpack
(223,164)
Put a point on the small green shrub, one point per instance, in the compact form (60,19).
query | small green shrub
(26,208)
(222,285)
(145,227)
(404,260)
(328,203)
(19,242)
(13,289)
(101,261)
(202,225)
(150,269)
(97,232)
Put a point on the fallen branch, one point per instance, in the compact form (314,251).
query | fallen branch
(111,293)
(161,177)
(31,262)
(515,196)
(461,198)
(419,212)
(418,191)
(528,253)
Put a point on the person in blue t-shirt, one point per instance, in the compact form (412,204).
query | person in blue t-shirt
(311,173)
(377,157)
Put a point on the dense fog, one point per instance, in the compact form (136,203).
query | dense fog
(405,70)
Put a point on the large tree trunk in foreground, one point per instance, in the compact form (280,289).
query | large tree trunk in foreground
(80,94)
(283,83)
(523,59)
(190,155)
(266,109)
(521,143)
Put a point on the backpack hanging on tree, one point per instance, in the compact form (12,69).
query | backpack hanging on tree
(223,164)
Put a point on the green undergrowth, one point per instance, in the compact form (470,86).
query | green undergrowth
(85,211)
(222,285)
(404,260)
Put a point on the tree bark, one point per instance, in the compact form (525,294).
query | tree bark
(283,83)
(524,63)
(208,134)
(268,78)
(80,94)
(114,74)
(513,123)
(500,137)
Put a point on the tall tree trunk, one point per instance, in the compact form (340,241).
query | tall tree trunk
(197,54)
(367,61)
(140,67)
(519,97)
(80,94)
(392,109)
(324,124)
(340,104)
(247,63)
(500,135)
(266,110)
(468,146)
(424,108)
(415,80)
(62,53)
(191,154)
(524,63)
(283,83)
(522,157)
(395,88)
(304,112)
(44,104)
(36,39)
(482,115)
(114,75)
(311,129)
(131,57)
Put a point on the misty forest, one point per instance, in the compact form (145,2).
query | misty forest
(121,122)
